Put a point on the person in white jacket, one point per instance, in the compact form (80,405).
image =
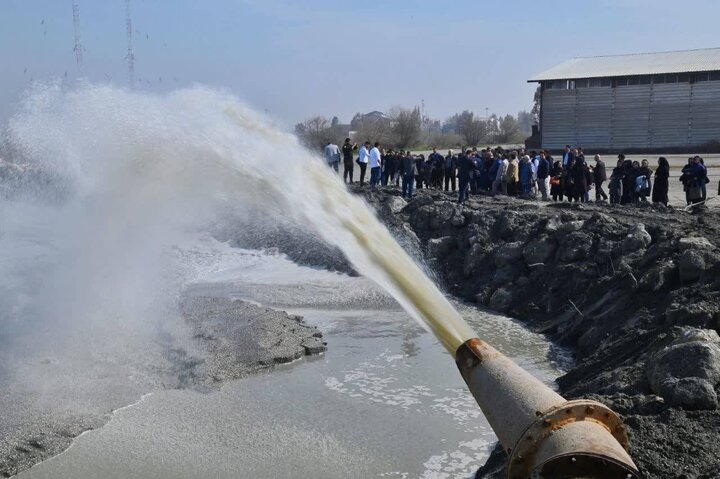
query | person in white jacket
(375,165)
(363,160)
(332,156)
(498,183)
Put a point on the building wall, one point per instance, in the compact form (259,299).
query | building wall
(652,116)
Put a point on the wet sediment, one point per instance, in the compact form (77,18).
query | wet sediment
(633,290)
(229,339)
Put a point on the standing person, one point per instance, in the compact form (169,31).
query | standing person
(628,190)
(375,165)
(347,151)
(436,163)
(408,170)
(579,174)
(638,181)
(590,180)
(570,190)
(644,175)
(393,167)
(464,166)
(474,172)
(543,176)
(693,178)
(429,172)
(599,177)
(699,173)
(388,166)
(499,184)
(535,162)
(662,182)
(525,174)
(398,167)
(567,156)
(450,168)
(578,152)
(363,160)
(685,177)
(705,179)
(513,176)
(557,180)
(487,172)
(617,179)
(420,175)
(332,156)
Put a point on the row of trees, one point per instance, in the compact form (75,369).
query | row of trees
(406,128)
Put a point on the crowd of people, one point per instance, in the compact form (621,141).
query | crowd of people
(533,174)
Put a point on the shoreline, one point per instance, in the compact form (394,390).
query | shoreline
(235,340)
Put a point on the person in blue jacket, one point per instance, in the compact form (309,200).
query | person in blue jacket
(526,174)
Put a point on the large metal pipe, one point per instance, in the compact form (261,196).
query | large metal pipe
(544,435)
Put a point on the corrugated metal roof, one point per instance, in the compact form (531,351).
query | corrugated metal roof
(634,64)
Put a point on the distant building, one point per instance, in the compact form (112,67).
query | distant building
(639,101)
(373,116)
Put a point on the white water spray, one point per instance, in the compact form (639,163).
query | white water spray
(144,169)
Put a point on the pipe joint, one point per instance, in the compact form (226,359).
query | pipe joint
(580,438)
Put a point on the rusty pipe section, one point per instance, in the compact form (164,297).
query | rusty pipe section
(544,435)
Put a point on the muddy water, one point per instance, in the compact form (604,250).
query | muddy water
(385,400)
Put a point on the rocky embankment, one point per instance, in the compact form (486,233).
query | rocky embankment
(633,290)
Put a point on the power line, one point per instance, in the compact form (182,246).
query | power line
(130,52)
(78,45)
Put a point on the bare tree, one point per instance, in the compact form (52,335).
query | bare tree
(473,129)
(313,132)
(526,122)
(405,127)
(374,129)
(508,130)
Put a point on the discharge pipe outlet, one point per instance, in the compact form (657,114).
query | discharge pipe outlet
(544,435)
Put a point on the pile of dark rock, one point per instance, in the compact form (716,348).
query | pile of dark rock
(634,291)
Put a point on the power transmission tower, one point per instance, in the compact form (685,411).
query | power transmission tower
(78,46)
(130,52)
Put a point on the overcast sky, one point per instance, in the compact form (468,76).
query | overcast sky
(297,58)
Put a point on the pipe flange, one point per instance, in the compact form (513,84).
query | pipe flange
(522,456)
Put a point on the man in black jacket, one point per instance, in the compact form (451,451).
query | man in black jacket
(450,167)
(436,161)
(408,170)
(347,151)
(599,176)
(465,166)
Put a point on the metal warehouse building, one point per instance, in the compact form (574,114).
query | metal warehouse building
(639,101)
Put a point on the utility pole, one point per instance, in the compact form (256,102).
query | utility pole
(78,45)
(130,53)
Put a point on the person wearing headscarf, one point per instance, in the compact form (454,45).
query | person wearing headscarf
(662,175)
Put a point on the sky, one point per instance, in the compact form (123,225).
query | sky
(295,59)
